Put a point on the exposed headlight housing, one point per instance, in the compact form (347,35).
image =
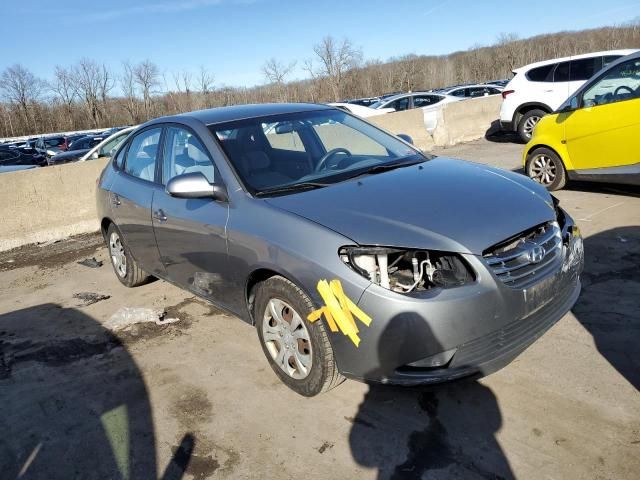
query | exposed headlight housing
(408,270)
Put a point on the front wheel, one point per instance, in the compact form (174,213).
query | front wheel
(298,351)
(545,167)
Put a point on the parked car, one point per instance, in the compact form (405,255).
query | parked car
(359,110)
(406,101)
(471,91)
(594,135)
(540,88)
(453,286)
(20,156)
(77,149)
(51,146)
(109,145)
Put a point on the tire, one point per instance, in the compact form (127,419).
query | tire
(545,167)
(128,272)
(286,348)
(528,122)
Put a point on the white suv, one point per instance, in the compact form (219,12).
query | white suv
(540,88)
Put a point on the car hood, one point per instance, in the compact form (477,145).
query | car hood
(441,204)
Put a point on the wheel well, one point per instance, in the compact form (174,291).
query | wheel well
(535,147)
(254,279)
(104,226)
(527,108)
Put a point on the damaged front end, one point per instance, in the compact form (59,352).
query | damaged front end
(408,270)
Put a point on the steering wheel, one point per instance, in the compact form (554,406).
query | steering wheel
(623,87)
(322,162)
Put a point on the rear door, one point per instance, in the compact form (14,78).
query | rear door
(605,132)
(131,196)
(191,232)
(541,87)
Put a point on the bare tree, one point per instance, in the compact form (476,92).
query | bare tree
(336,58)
(275,72)
(128,87)
(88,79)
(147,76)
(22,88)
(64,89)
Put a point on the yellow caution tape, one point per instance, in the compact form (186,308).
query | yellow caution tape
(339,310)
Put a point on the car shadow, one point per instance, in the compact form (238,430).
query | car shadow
(609,304)
(496,135)
(74,402)
(444,430)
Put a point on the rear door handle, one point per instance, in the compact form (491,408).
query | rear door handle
(159,215)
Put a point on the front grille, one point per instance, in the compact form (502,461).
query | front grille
(521,260)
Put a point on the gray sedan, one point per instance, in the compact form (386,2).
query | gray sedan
(354,254)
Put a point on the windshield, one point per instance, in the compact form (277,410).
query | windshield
(319,147)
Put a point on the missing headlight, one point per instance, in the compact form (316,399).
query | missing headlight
(406,271)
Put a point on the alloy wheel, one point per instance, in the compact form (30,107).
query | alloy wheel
(543,169)
(529,124)
(287,339)
(118,257)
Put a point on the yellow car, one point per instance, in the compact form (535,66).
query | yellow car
(594,135)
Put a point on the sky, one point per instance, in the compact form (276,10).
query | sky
(233,38)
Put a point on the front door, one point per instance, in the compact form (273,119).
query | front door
(605,132)
(191,233)
(131,196)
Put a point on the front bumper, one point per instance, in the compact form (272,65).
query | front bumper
(449,334)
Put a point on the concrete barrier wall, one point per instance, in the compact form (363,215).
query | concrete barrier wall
(410,122)
(49,203)
(53,203)
(466,120)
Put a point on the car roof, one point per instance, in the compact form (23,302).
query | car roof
(622,52)
(242,112)
(472,85)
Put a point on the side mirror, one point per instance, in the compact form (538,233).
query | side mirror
(405,137)
(94,155)
(570,105)
(195,185)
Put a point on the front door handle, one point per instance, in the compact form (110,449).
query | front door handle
(115,200)
(159,215)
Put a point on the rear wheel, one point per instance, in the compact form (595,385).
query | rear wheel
(545,167)
(528,122)
(298,351)
(125,267)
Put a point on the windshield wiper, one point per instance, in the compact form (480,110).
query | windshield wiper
(385,167)
(291,188)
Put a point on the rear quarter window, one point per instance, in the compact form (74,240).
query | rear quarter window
(541,74)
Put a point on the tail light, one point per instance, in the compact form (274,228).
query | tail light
(506,92)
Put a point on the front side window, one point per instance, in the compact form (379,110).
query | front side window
(142,154)
(316,148)
(399,105)
(620,83)
(184,153)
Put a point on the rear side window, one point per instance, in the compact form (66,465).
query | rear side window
(584,68)
(425,100)
(142,154)
(399,105)
(541,74)
(607,59)
(458,93)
